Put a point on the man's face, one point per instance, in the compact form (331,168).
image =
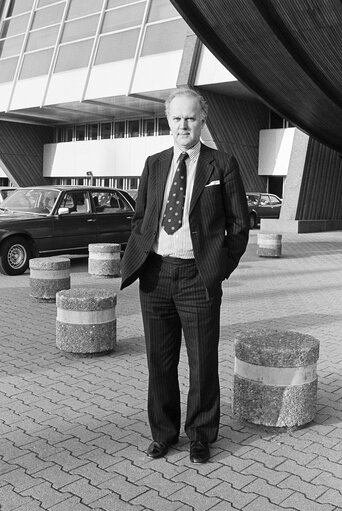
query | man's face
(185,121)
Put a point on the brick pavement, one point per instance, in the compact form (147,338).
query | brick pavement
(73,431)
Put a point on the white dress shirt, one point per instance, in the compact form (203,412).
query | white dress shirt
(179,244)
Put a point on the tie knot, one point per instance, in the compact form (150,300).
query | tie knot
(183,157)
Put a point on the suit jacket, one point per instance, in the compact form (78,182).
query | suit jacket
(218,216)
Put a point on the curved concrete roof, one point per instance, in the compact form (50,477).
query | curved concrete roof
(288,52)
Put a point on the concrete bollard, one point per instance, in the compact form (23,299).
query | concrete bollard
(86,321)
(269,245)
(48,275)
(275,378)
(104,260)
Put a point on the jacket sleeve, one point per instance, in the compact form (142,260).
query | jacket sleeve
(237,218)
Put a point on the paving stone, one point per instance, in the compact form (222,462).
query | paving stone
(62,418)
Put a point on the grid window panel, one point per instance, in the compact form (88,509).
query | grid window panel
(11,46)
(119,3)
(74,56)
(68,134)
(15,26)
(148,127)
(164,37)
(48,16)
(162,9)
(80,132)
(79,8)
(19,6)
(7,69)
(163,126)
(126,17)
(106,130)
(42,38)
(92,130)
(36,64)
(133,128)
(119,129)
(44,3)
(115,47)
(80,29)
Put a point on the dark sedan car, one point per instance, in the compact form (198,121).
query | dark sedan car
(48,220)
(262,205)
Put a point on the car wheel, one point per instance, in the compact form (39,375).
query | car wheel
(15,254)
(252,221)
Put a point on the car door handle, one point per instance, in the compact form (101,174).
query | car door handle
(91,220)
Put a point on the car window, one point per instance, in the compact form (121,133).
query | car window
(252,199)
(264,200)
(110,202)
(274,200)
(76,202)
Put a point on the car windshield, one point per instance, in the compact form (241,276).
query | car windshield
(31,200)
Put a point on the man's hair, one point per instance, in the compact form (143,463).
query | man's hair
(185,91)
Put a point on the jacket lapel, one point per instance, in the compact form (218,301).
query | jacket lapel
(162,170)
(203,172)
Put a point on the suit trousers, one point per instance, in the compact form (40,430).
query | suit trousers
(174,300)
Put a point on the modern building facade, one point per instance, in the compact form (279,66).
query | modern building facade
(82,90)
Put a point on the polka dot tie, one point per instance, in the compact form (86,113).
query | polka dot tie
(173,213)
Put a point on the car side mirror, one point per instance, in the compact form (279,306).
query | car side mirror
(63,211)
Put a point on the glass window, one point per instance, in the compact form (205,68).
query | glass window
(19,6)
(264,200)
(48,16)
(36,64)
(126,17)
(119,129)
(133,128)
(163,126)
(92,131)
(77,202)
(80,132)
(7,69)
(79,29)
(43,3)
(73,56)
(11,46)
(80,8)
(42,38)
(164,37)
(148,127)
(68,134)
(110,202)
(106,130)
(118,3)
(15,26)
(115,47)
(162,9)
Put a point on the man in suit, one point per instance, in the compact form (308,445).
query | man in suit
(181,257)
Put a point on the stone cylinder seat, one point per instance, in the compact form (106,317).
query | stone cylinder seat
(275,378)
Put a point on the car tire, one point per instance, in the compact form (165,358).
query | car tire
(252,221)
(15,253)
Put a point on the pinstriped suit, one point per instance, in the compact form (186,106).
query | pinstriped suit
(188,296)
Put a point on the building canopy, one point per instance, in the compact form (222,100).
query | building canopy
(288,52)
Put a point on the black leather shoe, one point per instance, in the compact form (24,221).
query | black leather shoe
(199,452)
(157,450)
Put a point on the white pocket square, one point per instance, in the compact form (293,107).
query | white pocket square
(213,183)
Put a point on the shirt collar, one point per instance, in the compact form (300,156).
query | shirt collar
(193,152)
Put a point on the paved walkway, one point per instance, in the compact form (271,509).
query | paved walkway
(73,431)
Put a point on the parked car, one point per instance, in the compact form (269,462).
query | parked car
(262,205)
(53,220)
(5,191)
